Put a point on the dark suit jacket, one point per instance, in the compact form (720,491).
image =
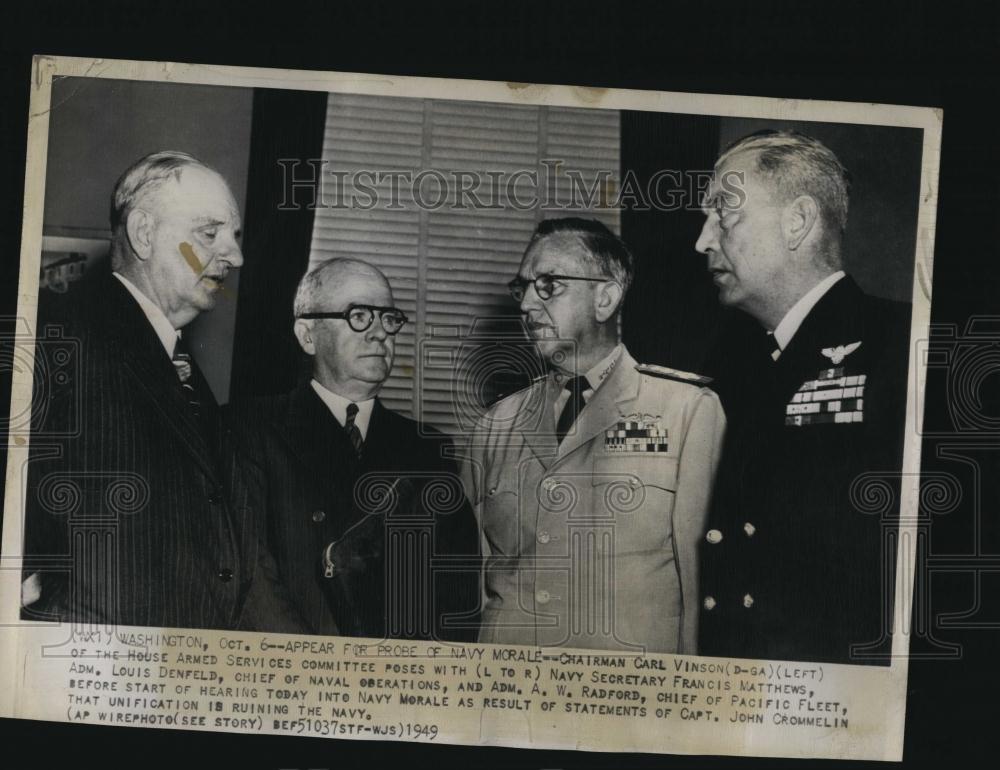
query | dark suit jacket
(356,560)
(138,512)
(797,558)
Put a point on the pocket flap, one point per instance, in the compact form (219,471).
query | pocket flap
(637,470)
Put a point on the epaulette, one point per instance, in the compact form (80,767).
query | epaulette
(673,374)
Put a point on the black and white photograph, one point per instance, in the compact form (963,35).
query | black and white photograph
(468,412)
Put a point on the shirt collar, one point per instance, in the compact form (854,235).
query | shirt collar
(164,329)
(793,319)
(600,371)
(337,405)
(596,374)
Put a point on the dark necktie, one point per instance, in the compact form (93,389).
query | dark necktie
(195,387)
(353,433)
(574,405)
(773,347)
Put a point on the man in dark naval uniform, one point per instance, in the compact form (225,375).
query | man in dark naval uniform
(367,519)
(798,557)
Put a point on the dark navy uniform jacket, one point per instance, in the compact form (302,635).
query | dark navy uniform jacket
(798,555)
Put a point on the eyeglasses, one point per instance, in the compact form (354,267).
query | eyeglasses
(545,284)
(360,317)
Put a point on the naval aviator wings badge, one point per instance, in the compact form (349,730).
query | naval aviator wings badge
(839,353)
(636,433)
(835,396)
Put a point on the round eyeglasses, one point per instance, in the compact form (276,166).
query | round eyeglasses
(545,284)
(360,317)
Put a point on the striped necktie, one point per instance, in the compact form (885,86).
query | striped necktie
(185,371)
(353,433)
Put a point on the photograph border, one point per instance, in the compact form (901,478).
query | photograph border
(15,635)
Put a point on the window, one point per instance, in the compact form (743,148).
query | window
(443,196)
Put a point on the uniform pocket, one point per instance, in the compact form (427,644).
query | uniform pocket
(635,495)
(501,509)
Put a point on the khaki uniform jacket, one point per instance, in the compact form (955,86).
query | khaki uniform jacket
(588,545)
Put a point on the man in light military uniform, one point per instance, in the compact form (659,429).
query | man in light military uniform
(592,484)
(797,561)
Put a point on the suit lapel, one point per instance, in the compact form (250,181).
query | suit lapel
(827,324)
(606,405)
(168,401)
(145,360)
(378,444)
(317,439)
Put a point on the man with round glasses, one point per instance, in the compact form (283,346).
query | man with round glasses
(365,506)
(592,484)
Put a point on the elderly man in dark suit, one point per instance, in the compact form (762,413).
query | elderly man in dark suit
(139,511)
(368,523)
(794,566)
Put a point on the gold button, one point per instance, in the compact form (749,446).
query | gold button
(543,537)
(318,516)
(713,536)
(749,529)
(493,491)
(748,601)
(543,597)
(709,603)
(634,481)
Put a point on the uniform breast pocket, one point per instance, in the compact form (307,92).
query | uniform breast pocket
(501,509)
(635,495)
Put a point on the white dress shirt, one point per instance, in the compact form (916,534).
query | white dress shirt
(337,405)
(793,319)
(597,374)
(164,329)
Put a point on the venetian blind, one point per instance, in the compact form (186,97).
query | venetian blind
(449,254)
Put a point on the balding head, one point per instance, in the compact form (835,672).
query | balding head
(325,284)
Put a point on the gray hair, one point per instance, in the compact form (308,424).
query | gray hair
(606,251)
(311,285)
(796,164)
(140,180)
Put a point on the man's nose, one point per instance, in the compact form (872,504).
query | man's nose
(709,238)
(230,251)
(530,299)
(236,256)
(376,331)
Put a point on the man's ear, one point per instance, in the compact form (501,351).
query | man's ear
(303,333)
(139,227)
(798,220)
(607,299)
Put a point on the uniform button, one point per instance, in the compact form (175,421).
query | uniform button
(549,483)
(713,536)
(225,574)
(493,491)
(634,481)
(748,601)
(318,516)
(543,597)
(215,497)
(543,537)
(709,603)
(749,529)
